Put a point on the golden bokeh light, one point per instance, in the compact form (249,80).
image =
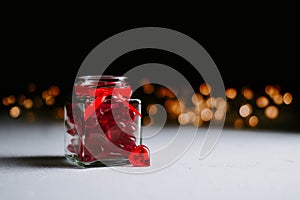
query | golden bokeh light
(205,89)
(262,101)
(248,93)
(253,121)
(46,94)
(287,98)
(197,99)
(206,114)
(161,92)
(200,107)
(219,114)
(5,101)
(231,93)
(147,121)
(151,109)
(191,115)
(15,112)
(245,110)
(238,123)
(174,107)
(278,99)
(271,112)
(272,90)
(148,88)
(197,121)
(11,99)
(183,118)
(49,100)
(28,103)
(210,102)
(221,104)
(54,90)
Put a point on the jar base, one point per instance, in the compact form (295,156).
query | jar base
(105,163)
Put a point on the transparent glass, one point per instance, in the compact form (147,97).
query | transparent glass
(102,123)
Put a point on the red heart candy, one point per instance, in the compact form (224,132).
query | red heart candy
(139,156)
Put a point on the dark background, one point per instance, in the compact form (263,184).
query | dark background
(253,48)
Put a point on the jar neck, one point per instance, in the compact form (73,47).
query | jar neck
(95,81)
(85,85)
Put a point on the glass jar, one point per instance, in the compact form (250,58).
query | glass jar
(103,124)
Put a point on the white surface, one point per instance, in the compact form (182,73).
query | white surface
(243,165)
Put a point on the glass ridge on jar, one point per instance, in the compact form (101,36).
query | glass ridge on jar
(102,123)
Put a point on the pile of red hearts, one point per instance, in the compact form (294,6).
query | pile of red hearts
(108,133)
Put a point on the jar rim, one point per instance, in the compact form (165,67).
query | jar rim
(102,77)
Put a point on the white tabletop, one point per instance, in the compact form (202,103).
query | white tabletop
(243,165)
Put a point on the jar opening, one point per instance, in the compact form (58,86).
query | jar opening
(109,78)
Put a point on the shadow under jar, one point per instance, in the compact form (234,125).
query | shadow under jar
(103,124)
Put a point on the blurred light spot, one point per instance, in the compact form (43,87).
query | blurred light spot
(206,114)
(219,114)
(191,115)
(11,99)
(200,107)
(5,101)
(262,101)
(28,103)
(171,93)
(54,90)
(238,123)
(271,90)
(148,88)
(248,93)
(245,110)
(197,99)
(46,94)
(287,98)
(210,102)
(161,92)
(231,93)
(49,100)
(151,109)
(147,121)
(31,87)
(271,112)
(277,98)
(253,121)
(197,121)
(174,107)
(183,118)
(221,104)
(205,89)
(15,112)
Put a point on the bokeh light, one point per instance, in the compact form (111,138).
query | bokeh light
(15,112)
(247,108)
(271,112)
(287,98)
(205,89)
(262,101)
(231,93)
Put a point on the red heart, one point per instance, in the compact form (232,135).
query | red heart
(139,156)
